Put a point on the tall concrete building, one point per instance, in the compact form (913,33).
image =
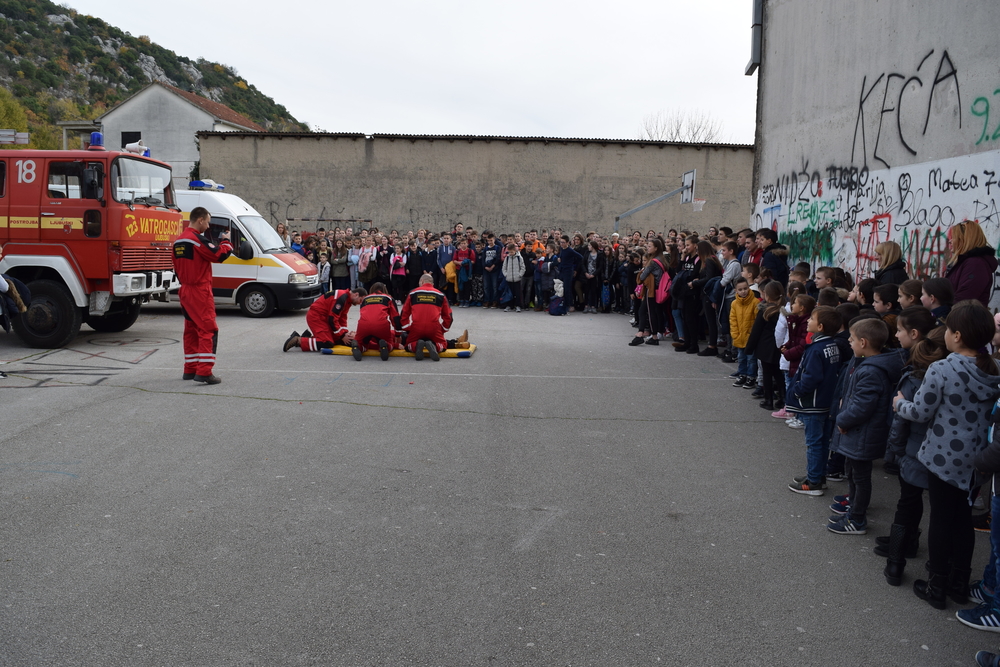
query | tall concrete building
(876,121)
(501,183)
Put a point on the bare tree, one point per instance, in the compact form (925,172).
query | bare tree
(697,127)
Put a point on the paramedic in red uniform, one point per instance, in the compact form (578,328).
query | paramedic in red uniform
(377,324)
(426,316)
(193,258)
(327,321)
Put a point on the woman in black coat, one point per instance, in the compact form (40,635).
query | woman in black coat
(892,266)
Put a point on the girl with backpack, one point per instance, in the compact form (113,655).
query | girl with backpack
(650,315)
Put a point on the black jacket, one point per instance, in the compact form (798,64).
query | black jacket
(761,343)
(894,274)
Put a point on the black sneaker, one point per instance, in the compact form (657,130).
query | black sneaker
(757,393)
(418,350)
(383,350)
(356,350)
(740,381)
(750,383)
(804,479)
(836,477)
(807,488)
(432,350)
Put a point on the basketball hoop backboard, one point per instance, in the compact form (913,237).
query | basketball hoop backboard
(687,195)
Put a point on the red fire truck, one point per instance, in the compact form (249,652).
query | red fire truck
(90,233)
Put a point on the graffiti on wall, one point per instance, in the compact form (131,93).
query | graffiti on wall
(830,213)
(840,214)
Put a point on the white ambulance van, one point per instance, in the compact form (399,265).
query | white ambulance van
(276,277)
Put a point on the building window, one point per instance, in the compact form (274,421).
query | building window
(130,138)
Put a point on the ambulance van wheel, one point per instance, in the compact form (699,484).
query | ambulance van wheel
(119,321)
(52,319)
(256,301)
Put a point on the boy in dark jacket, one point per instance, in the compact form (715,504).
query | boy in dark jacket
(812,394)
(863,419)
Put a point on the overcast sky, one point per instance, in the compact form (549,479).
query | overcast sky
(519,68)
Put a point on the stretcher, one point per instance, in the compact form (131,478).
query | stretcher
(344,350)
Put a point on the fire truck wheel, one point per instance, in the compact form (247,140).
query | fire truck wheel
(256,301)
(52,319)
(119,321)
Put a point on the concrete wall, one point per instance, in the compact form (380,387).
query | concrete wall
(168,125)
(878,120)
(501,184)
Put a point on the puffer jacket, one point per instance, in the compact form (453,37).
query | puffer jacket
(513,267)
(866,406)
(955,400)
(742,314)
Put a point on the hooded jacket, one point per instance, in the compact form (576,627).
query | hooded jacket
(894,274)
(972,275)
(955,399)
(775,258)
(866,406)
(742,314)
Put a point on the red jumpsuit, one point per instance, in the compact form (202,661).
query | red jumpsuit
(378,315)
(193,258)
(426,316)
(327,320)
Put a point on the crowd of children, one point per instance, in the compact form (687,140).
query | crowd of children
(886,368)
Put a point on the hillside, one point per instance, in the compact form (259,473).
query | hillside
(62,65)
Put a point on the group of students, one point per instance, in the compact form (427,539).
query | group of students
(888,368)
(545,270)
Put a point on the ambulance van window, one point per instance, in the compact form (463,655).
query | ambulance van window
(65,179)
(216,227)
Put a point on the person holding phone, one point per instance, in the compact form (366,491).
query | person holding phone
(193,257)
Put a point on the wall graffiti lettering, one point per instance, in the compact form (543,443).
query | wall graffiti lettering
(914,205)
(887,94)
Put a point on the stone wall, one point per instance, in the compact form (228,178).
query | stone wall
(504,184)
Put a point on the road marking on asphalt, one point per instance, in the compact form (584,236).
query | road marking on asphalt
(278,371)
(552,514)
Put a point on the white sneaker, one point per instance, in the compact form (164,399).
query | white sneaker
(794,422)
(507,309)
(519,309)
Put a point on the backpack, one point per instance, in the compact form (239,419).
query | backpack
(663,289)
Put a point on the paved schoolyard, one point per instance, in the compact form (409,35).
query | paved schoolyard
(558,499)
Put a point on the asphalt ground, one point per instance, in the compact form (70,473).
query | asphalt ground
(558,499)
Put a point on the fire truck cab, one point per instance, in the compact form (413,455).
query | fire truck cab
(90,233)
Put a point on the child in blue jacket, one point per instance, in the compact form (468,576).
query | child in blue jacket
(862,422)
(811,395)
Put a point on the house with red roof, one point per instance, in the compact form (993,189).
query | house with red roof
(167,119)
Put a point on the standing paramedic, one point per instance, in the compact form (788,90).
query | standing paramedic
(193,258)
